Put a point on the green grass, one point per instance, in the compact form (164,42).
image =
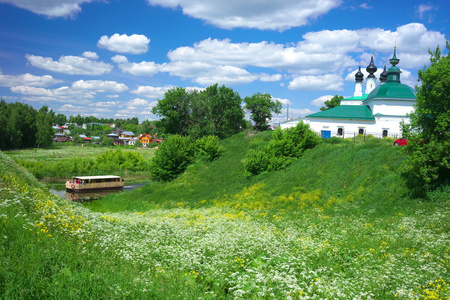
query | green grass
(60,162)
(340,223)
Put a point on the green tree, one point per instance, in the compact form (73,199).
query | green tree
(173,156)
(429,130)
(226,113)
(261,107)
(214,111)
(174,110)
(59,119)
(44,134)
(333,102)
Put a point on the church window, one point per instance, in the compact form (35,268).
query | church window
(385,133)
(340,131)
(361,131)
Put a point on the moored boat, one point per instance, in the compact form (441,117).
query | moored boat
(89,183)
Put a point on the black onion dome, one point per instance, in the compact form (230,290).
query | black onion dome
(359,76)
(371,68)
(383,75)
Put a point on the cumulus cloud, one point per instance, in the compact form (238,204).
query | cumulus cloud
(62,94)
(133,44)
(270,78)
(327,82)
(73,65)
(90,55)
(321,100)
(152,91)
(138,102)
(28,80)
(100,86)
(50,8)
(207,74)
(319,53)
(138,69)
(106,104)
(265,15)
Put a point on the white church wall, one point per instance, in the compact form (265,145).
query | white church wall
(391,107)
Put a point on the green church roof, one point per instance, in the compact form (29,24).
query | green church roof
(351,112)
(392,90)
(363,97)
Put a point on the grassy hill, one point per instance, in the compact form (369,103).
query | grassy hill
(366,172)
(339,223)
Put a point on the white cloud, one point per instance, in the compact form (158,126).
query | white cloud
(138,69)
(133,44)
(265,14)
(106,104)
(73,65)
(28,80)
(207,74)
(62,94)
(283,101)
(100,86)
(424,9)
(50,8)
(270,78)
(138,102)
(90,55)
(152,91)
(321,100)
(319,53)
(327,82)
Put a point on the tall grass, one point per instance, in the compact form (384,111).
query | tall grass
(337,224)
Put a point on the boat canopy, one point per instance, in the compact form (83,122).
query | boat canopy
(101,177)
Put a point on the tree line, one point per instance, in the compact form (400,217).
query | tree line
(215,111)
(22,126)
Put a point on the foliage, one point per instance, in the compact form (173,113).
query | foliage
(429,131)
(261,107)
(333,102)
(21,126)
(285,147)
(214,111)
(44,134)
(208,146)
(172,157)
(95,162)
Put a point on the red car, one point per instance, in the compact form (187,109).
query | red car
(401,142)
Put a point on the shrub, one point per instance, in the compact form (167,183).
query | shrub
(285,147)
(172,157)
(208,146)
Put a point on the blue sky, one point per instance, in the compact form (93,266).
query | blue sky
(115,58)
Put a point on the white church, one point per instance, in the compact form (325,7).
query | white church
(378,112)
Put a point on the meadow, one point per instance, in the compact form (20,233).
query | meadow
(60,162)
(340,223)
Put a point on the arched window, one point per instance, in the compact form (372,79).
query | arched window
(385,133)
(340,131)
(361,131)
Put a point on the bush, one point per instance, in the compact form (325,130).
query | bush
(208,146)
(172,157)
(285,147)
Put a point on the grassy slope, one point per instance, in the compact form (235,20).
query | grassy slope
(341,212)
(366,171)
